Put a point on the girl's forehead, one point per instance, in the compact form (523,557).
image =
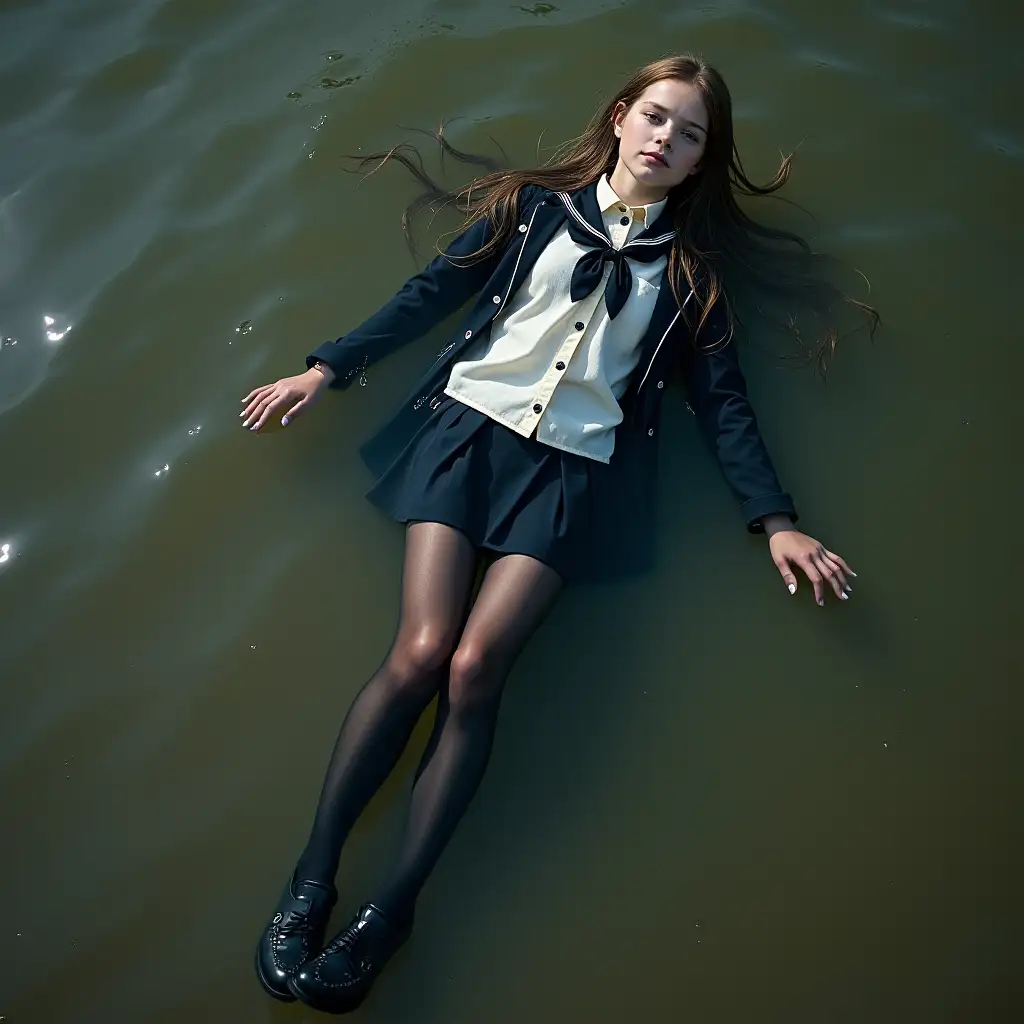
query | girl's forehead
(678,99)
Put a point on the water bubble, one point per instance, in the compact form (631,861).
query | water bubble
(320,122)
(295,95)
(244,327)
(5,552)
(8,343)
(48,321)
(161,472)
(334,55)
(192,431)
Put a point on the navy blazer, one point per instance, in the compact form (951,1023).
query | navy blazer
(714,383)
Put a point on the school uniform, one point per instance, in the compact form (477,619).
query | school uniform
(535,430)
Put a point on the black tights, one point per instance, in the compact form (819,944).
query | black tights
(436,650)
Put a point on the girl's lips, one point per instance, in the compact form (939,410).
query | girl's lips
(653,158)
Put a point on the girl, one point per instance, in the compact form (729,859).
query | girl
(532,440)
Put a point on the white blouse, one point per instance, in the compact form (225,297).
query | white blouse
(558,367)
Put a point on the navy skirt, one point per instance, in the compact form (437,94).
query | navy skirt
(511,494)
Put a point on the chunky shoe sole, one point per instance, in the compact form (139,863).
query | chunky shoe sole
(284,997)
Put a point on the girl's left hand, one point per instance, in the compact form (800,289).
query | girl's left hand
(790,547)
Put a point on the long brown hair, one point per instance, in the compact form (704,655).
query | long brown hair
(718,245)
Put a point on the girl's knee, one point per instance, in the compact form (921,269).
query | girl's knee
(473,677)
(416,659)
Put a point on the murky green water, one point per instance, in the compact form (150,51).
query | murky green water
(708,803)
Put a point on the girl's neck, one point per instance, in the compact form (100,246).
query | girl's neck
(630,191)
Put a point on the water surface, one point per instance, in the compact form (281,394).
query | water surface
(708,802)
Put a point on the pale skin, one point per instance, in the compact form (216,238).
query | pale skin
(661,142)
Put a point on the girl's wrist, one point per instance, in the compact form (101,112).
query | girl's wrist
(776,523)
(323,370)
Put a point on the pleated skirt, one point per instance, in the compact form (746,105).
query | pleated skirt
(509,494)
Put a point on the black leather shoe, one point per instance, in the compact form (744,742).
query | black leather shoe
(341,977)
(294,935)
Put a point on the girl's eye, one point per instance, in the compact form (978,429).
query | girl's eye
(649,114)
(690,136)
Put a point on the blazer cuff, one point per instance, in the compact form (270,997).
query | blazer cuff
(764,505)
(341,362)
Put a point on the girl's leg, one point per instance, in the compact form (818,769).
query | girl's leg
(516,594)
(437,578)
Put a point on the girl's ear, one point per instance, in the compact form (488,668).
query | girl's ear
(617,116)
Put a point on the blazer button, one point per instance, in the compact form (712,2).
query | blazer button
(559,365)
(496,299)
(650,432)
(469,334)
(578,325)
(661,383)
(538,407)
(522,227)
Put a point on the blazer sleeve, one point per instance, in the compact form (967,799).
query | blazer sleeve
(717,393)
(420,304)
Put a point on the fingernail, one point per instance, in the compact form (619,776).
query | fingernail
(253,427)
(852,573)
(848,588)
(845,597)
(284,421)
(821,603)
(792,588)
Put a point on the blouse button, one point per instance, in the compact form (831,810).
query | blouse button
(661,383)
(538,407)
(559,365)
(469,334)
(650,432)
(624,221)
(578,325)
(496,299)
(522,227)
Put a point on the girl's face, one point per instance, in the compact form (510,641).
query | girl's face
(662,136)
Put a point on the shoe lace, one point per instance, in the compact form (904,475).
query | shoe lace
(293,922)
(346,940)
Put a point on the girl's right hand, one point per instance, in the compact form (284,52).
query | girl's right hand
(296,394)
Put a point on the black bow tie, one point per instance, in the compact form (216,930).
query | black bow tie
(586,227)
